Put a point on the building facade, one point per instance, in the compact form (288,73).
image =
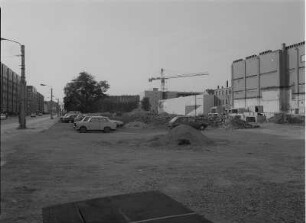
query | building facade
(155,96)
(32,95)
(271,82)
(222,101)
(10,90)
(40,102)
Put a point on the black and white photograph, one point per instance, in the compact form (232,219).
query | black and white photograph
(152,111)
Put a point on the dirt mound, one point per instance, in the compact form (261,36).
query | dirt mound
(136,124)
(237,123)
(181,135)
(185,135)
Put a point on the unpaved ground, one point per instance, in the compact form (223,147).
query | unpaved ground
(252,175)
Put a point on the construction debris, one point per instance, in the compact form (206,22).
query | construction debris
(237,123)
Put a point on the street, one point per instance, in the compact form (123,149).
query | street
(233,180)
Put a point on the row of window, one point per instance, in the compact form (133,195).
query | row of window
(223,92)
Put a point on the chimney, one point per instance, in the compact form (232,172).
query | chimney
(218,86)
(226,84)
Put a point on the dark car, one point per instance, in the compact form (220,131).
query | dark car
(195,122)
(69,118)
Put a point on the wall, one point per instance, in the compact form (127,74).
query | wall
(296,69)
(190,105)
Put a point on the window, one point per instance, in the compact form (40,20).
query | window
(86,119)
(302,58)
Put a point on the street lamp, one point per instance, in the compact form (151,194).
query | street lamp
(51,102)
(22,113)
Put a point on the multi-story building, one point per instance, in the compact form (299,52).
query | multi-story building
(10,90)
(155,96)
(32,100)
(271,82)
(222,100)
(48,105)
(40,103)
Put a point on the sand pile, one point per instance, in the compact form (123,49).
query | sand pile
(180,136)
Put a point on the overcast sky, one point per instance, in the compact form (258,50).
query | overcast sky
(127,42)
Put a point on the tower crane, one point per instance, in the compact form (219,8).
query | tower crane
(163,78)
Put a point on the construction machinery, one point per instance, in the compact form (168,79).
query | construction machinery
(164,77)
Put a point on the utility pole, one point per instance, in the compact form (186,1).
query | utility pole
(22,109)
(51,105)
(58,108)
(195,105)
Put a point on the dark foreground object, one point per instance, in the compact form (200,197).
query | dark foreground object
(144,207)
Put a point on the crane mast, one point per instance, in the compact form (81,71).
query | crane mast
(163,79)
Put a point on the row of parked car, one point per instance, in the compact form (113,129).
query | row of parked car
(91,122)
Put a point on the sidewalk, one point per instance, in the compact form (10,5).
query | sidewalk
(10,132)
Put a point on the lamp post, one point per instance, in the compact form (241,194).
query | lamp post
(51,101)
(22,104)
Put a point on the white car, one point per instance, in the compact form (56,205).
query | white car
(3,116)
(95,123)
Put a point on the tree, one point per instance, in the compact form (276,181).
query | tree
(210,91)
(84,93)
(145,104)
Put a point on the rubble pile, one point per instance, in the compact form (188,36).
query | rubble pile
(181,135)
(237,123)
(217,121)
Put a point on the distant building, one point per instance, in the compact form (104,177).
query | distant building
(271,82)
(222,101)
(155,96)
(124,98)
(32,95)
(54,105)
(10,90)
(40,103)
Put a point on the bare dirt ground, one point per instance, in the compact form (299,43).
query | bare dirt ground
(251,175)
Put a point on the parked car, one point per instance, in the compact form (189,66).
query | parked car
(78,118)
(40,114)
(96,123)
(68,118)
(195,122)
(118,123)
(33,115)
(3,116)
